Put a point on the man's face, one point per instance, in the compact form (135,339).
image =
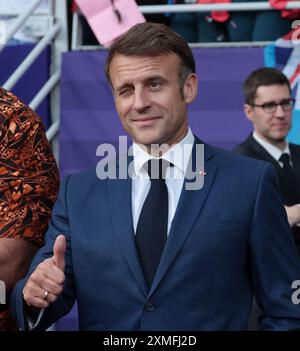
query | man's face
(273,127)
(148,99)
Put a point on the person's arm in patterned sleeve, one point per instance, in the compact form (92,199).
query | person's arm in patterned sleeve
(29,183)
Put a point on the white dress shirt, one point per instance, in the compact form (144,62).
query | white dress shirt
(178,155)
(274,151)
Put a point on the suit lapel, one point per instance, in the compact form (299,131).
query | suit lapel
(190,204)
(263,154)
(295,154)
(119,196)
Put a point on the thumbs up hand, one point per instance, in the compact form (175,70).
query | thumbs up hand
(46,282)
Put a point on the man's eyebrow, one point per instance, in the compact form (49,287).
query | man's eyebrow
(276,102)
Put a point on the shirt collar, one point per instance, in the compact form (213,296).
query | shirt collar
(178,154)
(274,151)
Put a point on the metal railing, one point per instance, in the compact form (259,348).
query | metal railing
(57,36)
(20,20)
(152,9)
(28,61)
(245,6)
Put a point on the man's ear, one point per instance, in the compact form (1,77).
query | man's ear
(248,109)
(190,88)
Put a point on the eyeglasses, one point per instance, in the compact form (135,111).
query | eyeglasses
(271,107)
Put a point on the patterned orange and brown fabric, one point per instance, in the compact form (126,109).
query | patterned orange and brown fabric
(7,322)
(29,177)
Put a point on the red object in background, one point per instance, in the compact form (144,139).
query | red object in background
(74,7)
(281,4)
(219,16)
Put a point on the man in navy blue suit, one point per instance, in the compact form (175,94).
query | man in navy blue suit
(268,106)
(152,252)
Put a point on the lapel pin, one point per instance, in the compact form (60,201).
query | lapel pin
(203,173)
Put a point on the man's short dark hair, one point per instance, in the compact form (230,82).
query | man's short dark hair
(153,39)
(263,76)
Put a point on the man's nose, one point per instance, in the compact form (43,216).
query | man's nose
(141,100)
(280,113)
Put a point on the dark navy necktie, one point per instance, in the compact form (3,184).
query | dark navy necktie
(151,233)
(289,177)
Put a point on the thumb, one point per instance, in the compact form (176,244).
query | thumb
(59,251)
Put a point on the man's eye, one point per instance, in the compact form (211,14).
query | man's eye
(155,84)
(124,92)
(269,105)
(287,103)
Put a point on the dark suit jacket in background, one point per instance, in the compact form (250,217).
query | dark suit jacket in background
(228,240)
(251,148)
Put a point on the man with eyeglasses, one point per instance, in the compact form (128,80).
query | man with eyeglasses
(268,105)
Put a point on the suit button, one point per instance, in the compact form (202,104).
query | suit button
(150,307)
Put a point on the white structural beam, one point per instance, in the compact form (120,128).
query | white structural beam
(35,52)
(245,6)
(45,90)
(20,20)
